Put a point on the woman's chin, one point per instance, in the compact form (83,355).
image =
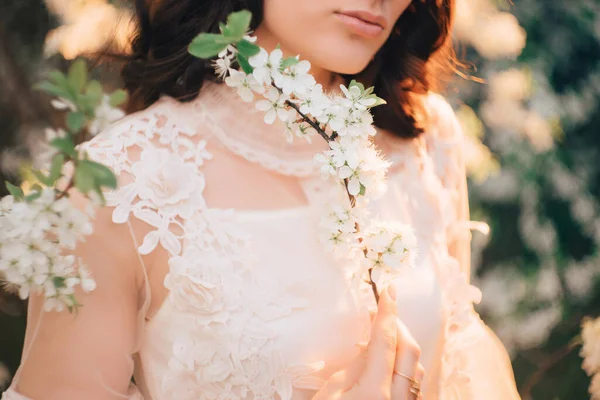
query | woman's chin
(347,65)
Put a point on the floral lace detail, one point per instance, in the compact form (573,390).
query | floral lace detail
(230,305)
(228,350)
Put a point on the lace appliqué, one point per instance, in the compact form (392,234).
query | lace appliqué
(228,351)
(231,307)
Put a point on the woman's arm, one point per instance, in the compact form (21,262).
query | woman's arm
(459,243)
(446,144)
(88,355)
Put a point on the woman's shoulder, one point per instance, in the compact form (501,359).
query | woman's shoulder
(445,140)
(164,129)
(442,123)
(162,121)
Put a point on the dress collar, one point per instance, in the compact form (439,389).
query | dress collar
(240,127)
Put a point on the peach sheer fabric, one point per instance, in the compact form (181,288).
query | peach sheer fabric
(212,283)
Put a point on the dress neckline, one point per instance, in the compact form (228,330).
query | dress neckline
(240,127)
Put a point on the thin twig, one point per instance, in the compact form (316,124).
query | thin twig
(373,286)
(315,125)
(550,362)
(64,192)
(309,121)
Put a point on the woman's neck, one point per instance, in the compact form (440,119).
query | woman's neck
(328,79)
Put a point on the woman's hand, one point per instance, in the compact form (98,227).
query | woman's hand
(387,369)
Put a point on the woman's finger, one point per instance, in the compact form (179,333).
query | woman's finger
(420,375)
(381,352)
(406,366)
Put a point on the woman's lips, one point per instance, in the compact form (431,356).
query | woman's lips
(362,24)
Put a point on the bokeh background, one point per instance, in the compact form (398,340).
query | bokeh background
(533,157)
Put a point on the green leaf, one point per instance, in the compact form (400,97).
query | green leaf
(84,178)
(74,305)
(59,281)
(58,78)
(76,121)
(56,168)
(104,175)
(357,84)
(90,175)
(378,101)
(93,94)
(363,190)
(288,62)
(243,61)
(33,196)
(100,196)
(54,90)
(40,176)
(207,45)
(78,76)
(65,145)
(15,191)
(238,23)
(247,49)
(117,98)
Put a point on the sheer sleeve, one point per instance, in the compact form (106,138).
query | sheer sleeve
(446,145)
(482,366)
(90,354)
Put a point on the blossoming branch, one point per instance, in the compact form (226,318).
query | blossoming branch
(39,227)
(288,93)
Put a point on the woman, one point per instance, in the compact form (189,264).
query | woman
(211,282)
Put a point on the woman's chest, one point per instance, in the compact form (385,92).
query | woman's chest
(257,306)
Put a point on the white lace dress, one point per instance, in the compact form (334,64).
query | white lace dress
(238,298)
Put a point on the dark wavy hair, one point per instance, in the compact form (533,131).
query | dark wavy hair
(417,58)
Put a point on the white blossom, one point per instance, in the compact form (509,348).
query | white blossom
(244,84)
(315,102)
(222,66)
(104,116)
(390,245)
(296,79)
(223,63)
(62,104)
(355,98)
(266,66)
(33,236)
(274,106)
(326,165)
(294,129)
(338,227)
(47,152)
(356,161)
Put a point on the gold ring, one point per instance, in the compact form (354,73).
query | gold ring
(415,386)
